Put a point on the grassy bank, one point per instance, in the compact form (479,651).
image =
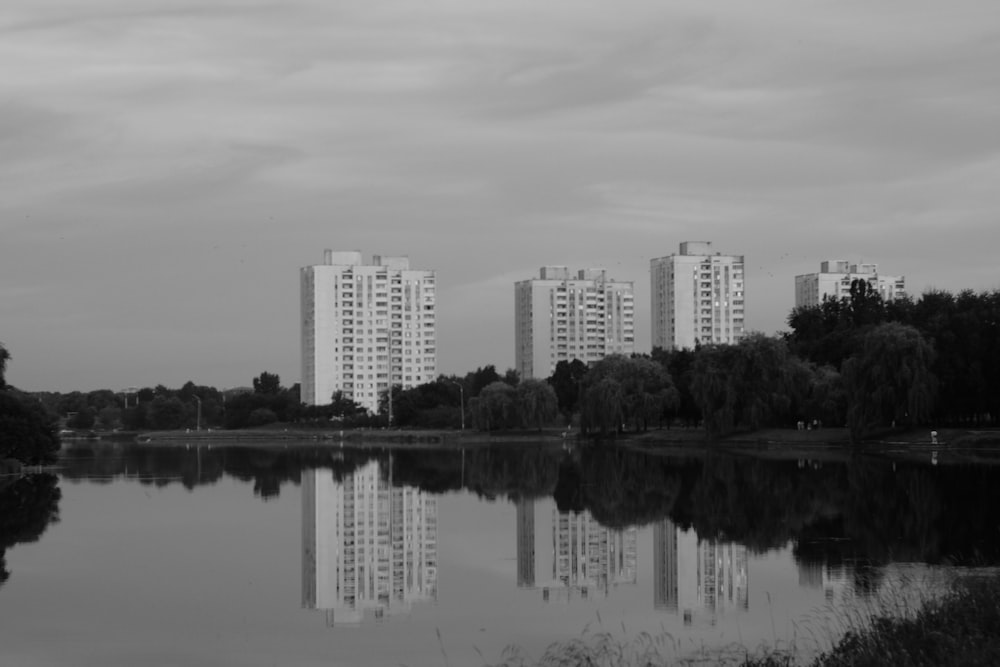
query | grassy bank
(959,628)
(828,444)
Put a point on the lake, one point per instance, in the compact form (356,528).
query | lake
(324,555)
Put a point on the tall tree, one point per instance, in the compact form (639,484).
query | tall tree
(829,333)
(4,358)
(481,378)
(267,383)
(566,379)
(679,364)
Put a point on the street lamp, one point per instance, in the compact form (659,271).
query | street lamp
(198,423)
(389,421)
(461,395)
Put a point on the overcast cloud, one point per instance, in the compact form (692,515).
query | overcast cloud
(167,167)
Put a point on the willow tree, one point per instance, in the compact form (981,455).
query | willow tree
(889,380)
(495,407)
(748,385)
(714,388)
(601,407)
(823,395)
(537,404)
(625,393)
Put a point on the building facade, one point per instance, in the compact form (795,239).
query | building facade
(364,326)
(697,296)
(561,318)
(834,282)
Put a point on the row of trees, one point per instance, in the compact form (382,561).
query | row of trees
(942,351)
(844,363)
(857,361)
(149,408)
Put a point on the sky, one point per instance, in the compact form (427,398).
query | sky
(167,166)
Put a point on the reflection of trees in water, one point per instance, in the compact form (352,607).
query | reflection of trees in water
(623,488)
(516,472)
(895,515)
(195,465)
(513,471)
(861,511)
(762,505)
(28,505)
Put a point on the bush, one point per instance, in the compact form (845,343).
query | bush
(262,416)
(960,628)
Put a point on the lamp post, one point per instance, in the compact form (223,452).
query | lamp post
(198,423)
(461,396)
(389,421)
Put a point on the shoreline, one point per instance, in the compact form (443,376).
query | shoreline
(954,446)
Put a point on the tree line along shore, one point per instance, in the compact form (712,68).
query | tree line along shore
(879,370)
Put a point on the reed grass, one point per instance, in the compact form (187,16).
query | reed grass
(957,627)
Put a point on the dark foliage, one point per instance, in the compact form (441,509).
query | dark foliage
(267,383)
(680,366)
(435,404)
(962,329)
(567,380)
(27,430)
(962,628)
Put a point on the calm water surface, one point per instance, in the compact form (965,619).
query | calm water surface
(138,555)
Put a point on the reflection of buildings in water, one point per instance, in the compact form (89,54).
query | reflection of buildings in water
(810,574)
(722,576)
(525,543)
(575,554)
(833,578)
(691,574)
(665,566)
(368,548)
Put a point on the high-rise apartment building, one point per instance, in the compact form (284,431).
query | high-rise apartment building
(834,281)
(560,318)
(697,297)
(364,326)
